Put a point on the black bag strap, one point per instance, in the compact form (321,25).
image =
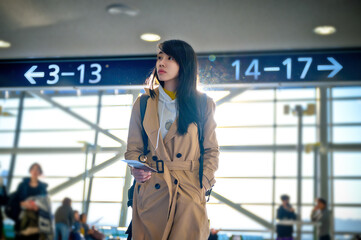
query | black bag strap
(203,107)
(143,107)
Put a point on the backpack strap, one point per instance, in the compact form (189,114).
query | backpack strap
(143,107)
(203,107)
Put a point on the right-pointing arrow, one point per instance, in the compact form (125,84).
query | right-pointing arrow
(30,74)
(335,67)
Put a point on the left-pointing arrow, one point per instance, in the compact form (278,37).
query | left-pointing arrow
(30,74)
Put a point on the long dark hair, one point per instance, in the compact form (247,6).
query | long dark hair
(187,95)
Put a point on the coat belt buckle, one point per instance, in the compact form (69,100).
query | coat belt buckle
(160,166)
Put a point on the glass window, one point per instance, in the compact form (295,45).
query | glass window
(346,191)
(296,93)
(115,117)
(241,114)
(56,119)
(117,169)
(245,164)
(288,135)
(56,139)
(52,164)
(347,134)
(286,186)
(347,219)
(245,190)
(234,219)
(9,103)
(346,111)
(77,101)
(354,91)
(286,164)
(244,136)
(75,192)
(106,214)
(8,119)
(105,141)
(7,139)
(115,100)
(107,189)
(347,163)
(255,95)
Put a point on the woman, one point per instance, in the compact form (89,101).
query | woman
(170,204)
(64,219)
(27,226)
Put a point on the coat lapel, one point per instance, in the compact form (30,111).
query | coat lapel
(172,131)
(151,126)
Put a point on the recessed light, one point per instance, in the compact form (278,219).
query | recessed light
(116,9)
(4,44)
(150,37)
(324,30)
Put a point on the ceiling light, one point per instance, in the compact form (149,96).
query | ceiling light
(150,37)
(324,30)
(4,44)
(116,9)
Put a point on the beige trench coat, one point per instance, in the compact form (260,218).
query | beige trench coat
(171,205)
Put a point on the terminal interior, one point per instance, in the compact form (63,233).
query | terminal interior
(78,134)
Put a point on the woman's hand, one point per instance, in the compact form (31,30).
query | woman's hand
(29,205)
(140,175)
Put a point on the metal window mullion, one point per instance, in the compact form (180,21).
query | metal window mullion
(90,186)
(274,162)
(16,139)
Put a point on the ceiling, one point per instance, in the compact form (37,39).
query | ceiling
(71,28)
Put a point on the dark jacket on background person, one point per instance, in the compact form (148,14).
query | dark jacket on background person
(283,230)
(323,217)
(3,202)
(64,214)
(23,192)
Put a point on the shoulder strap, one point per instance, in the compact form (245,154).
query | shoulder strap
(203,107)
(143,107)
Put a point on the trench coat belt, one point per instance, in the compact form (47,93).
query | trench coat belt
(188,165)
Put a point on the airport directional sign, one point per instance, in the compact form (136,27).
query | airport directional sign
(278,68)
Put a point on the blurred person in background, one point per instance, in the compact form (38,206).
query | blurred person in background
(75,232)
(3,201)
(64,219)
(285,212)
(25,204)
(321,214)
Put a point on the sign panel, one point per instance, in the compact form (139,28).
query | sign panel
(334,67)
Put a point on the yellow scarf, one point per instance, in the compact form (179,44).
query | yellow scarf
(172,95)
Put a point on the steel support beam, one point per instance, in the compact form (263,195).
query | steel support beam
(232,94)
(240,209)
(94,154)
(322,135)
(90,172)
(16,139)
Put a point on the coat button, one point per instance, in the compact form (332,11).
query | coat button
(175,181)
(157,186)
(155,158)
(179,155)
